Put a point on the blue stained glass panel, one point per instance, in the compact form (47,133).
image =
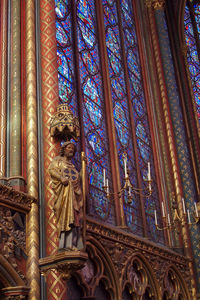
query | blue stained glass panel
(89,62)
(193,70)
(138,107)
(121,124)
(86,22)
(141,132)
(90,90)
(110,15)
(130,37)
(192,55)
(94,112)
(88,36)
(65,88)
(63,66)
(96,143)
(118,88)
(61,8)
(61,35)
(112,42)
(133,64)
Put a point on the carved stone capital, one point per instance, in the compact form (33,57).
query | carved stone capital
(155,4)
(65,262)
(15,199)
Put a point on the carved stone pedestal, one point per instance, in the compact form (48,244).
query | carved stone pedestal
(64,261)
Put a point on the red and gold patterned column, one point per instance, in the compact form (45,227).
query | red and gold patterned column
(55,286)
(33,273)
(3,81)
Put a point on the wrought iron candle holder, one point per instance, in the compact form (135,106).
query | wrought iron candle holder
(146,192)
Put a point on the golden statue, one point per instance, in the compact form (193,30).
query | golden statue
(68,205)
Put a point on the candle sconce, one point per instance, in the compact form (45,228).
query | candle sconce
(146,192)
(177,220)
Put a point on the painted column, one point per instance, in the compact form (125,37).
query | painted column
(33,273)
(3,82)
(15,109)
(172,114)
(49,77)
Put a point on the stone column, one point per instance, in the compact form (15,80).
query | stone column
(3,82)
(15,101)
(33,273)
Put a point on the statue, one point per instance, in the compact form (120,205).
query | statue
(68,205)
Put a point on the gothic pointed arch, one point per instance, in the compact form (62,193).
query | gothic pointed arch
(138,278)
(174,285)
(99,275)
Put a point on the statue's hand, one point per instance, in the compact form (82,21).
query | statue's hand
(64,180)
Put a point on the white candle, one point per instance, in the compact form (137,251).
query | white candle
(104,177)
(196,210)
(188,213)
(163,210)
(169,222)
(125,167)
(183,202)
(156,221)
(149,172)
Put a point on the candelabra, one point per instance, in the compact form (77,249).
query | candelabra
(146,192)
(187,217)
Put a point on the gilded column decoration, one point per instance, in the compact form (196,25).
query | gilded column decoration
(15,124)
(156,4)
(33,274)
(55,286)
(169,100)
(3,80)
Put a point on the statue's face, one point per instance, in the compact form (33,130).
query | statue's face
(69,150)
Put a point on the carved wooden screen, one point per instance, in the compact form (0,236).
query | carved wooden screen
(81,73)
(192,38)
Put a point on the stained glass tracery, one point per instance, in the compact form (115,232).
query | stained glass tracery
(67,90)
(142,131)
(121,110)
(93,108)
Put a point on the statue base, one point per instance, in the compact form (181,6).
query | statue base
(65,261)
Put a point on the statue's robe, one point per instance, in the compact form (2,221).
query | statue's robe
(68,203)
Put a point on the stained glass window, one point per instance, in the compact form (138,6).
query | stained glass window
(82,86)
(192,38)
(96,141)
(143,136)
(121,111)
